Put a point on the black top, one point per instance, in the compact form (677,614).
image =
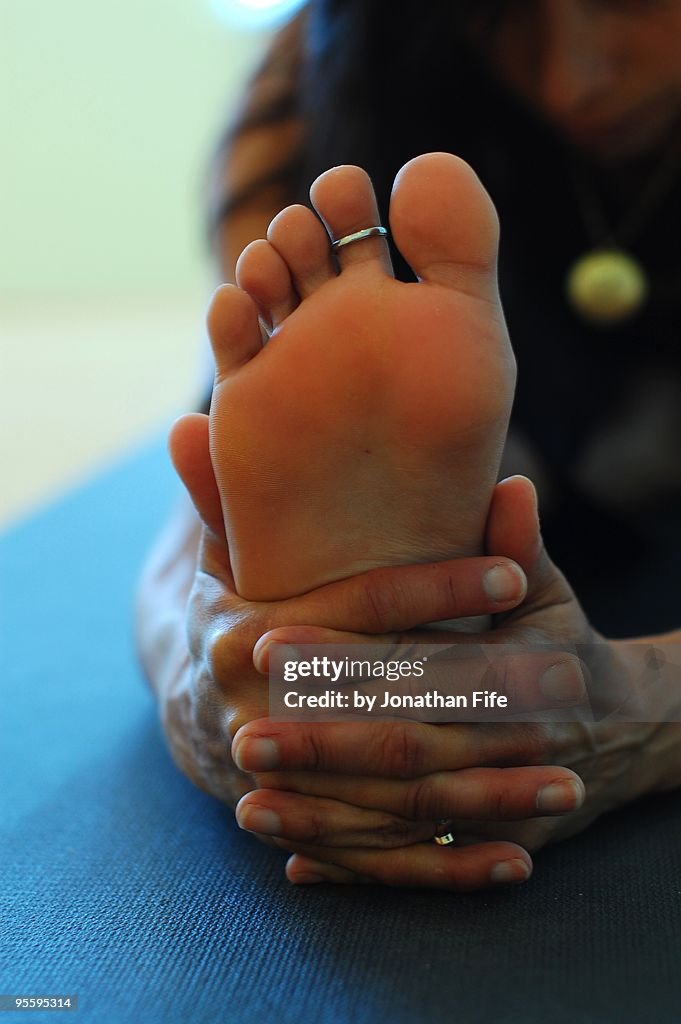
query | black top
(599,406)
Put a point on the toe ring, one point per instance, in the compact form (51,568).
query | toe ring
(358,236)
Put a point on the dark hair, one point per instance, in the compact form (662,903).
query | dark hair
(375,86)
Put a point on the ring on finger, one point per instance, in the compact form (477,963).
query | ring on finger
(443,835)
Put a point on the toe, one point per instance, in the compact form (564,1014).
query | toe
(302,242)
(188,443)
(233,328)
(444,223)
(263,273)
(345,200)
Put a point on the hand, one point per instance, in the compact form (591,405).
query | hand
(414,771)
(219,689)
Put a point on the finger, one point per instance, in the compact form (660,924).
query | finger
(494,794)
(423,865)
(401,598)
(325,822)
(485,681)
(513,521)
(388,749)
(304,871)
(513,527)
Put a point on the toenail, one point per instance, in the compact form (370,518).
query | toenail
(259,819)
(256,755)
(503,583)
(563,682)
(557,797)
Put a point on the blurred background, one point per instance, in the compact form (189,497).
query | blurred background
(109,112)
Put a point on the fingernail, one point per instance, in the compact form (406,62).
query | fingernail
(560,796)
(563,681)
(308,879)
(259,819)
(510,871)
(256,755)
(265,650)
(503,583)
(261,655)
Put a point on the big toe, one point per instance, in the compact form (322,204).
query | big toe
(444,223)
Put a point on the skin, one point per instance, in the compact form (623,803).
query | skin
(607,76)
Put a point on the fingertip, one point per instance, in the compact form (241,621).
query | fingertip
(521,487)
(264,646)
(306,871)
(513,528)
(291,637)
(261,654)
(505,583)
(561,796)
(511,872)
(302,870)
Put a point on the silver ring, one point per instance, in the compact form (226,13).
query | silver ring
(357,236)
(443,837)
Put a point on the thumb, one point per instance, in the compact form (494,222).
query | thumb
(513,530)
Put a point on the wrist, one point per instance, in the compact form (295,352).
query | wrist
(657,685)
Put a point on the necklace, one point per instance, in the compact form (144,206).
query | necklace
(608,285)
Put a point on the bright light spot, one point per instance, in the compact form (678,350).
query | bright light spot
(255,13)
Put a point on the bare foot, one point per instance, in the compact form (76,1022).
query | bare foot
(368,431)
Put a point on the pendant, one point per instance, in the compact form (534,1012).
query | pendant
(606,286)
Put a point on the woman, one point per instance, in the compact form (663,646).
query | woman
(569,112)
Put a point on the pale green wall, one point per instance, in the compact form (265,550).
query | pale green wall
(108,110)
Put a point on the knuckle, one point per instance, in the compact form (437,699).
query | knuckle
(452,595)
(499,801)
(502,744)
(421,801)
(178,727)
(206,709)
(378,599)
(315,831)
(500,676)
(402,749)
(228,651)
(539,741)
(196,616)
(314,750)
(392,832)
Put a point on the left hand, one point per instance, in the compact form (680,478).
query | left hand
(396,780)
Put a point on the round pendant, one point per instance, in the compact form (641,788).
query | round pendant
(606,286)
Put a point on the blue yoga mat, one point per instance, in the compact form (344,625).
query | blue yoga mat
(125,885)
